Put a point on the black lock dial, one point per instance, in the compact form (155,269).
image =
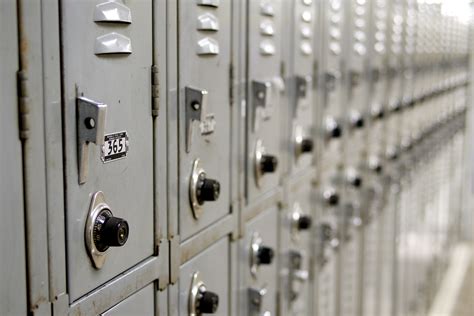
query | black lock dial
(335,131)
(304,222)
(268,163)
(265,255)
(109,231)
(207,302)
(331,197)
(378,112)
(307,145)
(207,189)
(356,181)
(358,122)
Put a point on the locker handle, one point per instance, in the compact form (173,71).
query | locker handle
(90,129)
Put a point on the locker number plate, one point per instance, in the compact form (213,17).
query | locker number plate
(115,147)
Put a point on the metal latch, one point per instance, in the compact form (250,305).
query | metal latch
(328,239)
(90,129)
(195,101)
(301,91)
(330,81)
(261,100)
(297,274)
(195,107)
(255,297)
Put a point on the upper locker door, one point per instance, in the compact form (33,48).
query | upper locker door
(205,113)
(107,58)
(301,100)
(13,270)
(265,86)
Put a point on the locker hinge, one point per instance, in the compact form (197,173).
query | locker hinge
(231,84)
(23,105)
(155,91)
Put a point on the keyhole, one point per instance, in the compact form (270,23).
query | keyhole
(89,122)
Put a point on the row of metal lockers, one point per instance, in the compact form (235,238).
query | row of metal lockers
(260,157)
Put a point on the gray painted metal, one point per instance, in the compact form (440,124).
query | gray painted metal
(297,283)
(123,82)
(13,292)
(265,277)
(117,289)
(162,166)
(51,81)
(359,257)
(263,66)
(202,28)
(34,155)
(300,57)
(213,265)
(140,303)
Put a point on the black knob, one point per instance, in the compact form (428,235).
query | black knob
(395,107)
(359,122)
(109,231)
(304,222)
(392,154)
(377,168)
(335,131)
(207,189)
(268,163)
(378,113)
(375,165)
(307,145)
(356,181)
(208,303)
(265,255)
(331,197)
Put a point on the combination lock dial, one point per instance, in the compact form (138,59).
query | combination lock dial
(332,128)
(109,231)
(356,120)
(354,178)
(103,230)
(263,162)
(201,189)
(207,189)
(201,300)
(207,302)
(299,221)
(331,197)
(303,144)
(259,254)
(268,163)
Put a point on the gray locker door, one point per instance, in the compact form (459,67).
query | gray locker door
(264,61)
(213,269)
(12,266)
(301,100)
(262,277)
(296,251)
(204,65)
(141,303)
(107,57)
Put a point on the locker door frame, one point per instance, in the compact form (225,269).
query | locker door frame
(13,291)
(42,155)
